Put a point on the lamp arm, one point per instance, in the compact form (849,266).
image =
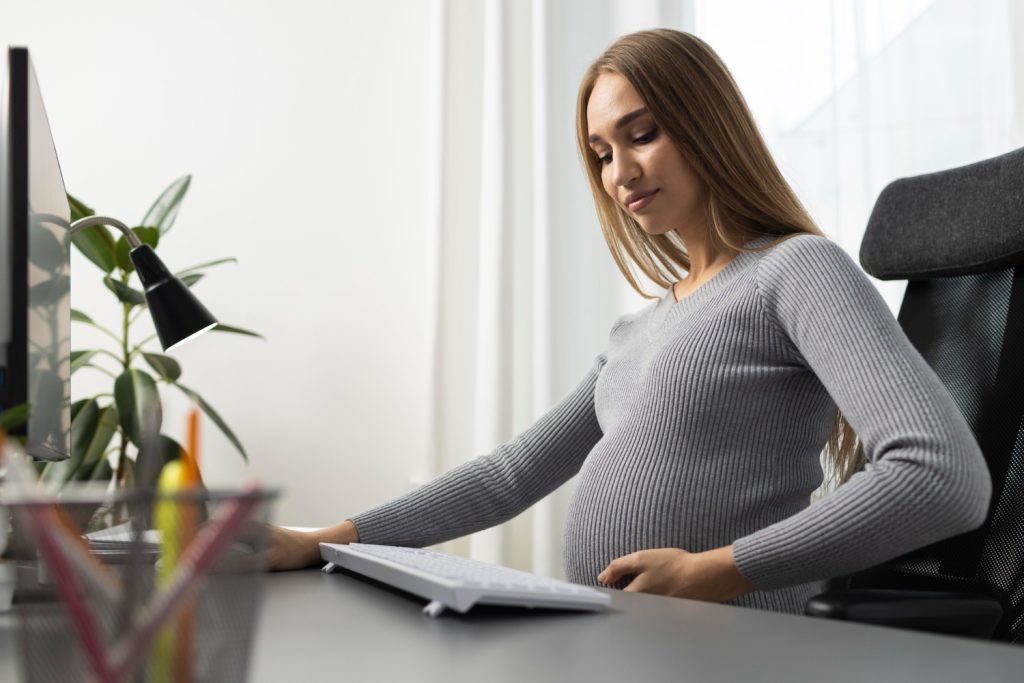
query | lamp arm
(89,221)
(177,314)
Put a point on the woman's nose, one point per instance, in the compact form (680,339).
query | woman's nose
(625,169)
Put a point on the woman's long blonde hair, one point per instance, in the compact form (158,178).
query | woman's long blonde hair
(695,102)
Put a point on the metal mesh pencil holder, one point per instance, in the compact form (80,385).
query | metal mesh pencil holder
(139,587)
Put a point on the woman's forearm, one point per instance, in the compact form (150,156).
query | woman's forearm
(345,532)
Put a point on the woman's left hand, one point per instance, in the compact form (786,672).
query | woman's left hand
(710,576)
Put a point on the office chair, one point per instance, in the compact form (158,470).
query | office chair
(957,236)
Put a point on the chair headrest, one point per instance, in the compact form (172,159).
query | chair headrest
(960,221)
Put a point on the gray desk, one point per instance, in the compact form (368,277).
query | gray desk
(317,626)
(339,627)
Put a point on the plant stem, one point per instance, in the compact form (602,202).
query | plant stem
(138,347)
(106,372)
(126,361)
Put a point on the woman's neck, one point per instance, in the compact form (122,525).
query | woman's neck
(705,258)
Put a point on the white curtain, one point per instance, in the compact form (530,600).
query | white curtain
(525,290)
(849,93)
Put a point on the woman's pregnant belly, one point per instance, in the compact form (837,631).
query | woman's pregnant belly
(631,495)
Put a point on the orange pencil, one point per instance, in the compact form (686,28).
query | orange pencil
(192,459)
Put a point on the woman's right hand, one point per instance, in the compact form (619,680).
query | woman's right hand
(290,549)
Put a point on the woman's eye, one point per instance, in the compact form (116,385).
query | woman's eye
(643,139)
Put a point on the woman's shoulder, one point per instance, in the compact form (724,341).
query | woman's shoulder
(807,267)
(802,245)
(804,254)
(627,321)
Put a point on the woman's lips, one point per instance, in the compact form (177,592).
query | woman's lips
(643,201)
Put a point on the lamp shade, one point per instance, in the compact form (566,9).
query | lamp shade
(177,313)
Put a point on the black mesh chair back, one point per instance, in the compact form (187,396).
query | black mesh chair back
(957,236)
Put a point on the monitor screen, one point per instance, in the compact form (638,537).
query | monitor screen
(35,295)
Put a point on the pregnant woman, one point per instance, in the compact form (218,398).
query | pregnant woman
(697,432)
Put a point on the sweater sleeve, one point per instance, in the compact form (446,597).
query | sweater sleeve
(493,488)
(927,479)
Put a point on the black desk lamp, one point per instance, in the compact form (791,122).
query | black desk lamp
(177,314)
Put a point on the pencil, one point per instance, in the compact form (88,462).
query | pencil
(66,535)
(196,560)
(43,524)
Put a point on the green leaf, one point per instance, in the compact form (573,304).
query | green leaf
(150,236)
(83,428)
(79,317)
(46,470)
(235,330)
(102,471)
(80,359)
(106,427)
(191,278)
(78,209)
(208,264)
(217,420)
(81,474)
(56,474)
(138,404)
(95,243)
(165,366)
(78,405)
(98,246)
(15,416)
(165,209)
(124,293)
(168,450)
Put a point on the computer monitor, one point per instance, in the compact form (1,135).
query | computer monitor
(35,295)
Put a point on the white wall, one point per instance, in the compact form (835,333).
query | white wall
(307,131)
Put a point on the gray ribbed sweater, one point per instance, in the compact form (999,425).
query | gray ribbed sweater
(702,423)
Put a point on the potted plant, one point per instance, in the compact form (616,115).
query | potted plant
(107,428)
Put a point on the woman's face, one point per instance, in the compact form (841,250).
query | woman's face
(637,159)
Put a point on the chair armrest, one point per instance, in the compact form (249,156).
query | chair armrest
(938,612)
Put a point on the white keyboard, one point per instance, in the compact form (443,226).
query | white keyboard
(458,583)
